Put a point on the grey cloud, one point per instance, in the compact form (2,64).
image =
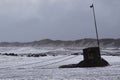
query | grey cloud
(28,20)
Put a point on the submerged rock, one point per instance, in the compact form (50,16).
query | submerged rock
(36,55)
(69,66)
(10,54)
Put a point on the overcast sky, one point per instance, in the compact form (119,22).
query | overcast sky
(29,20)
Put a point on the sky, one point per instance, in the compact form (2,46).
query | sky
(29,20)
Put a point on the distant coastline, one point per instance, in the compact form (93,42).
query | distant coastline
(107,42)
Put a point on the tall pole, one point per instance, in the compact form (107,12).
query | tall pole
(92,6)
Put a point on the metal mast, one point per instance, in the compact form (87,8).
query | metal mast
(92,6)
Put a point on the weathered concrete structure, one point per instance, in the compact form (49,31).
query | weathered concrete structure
(92,53)
(92,58)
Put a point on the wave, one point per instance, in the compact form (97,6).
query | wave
(38,51)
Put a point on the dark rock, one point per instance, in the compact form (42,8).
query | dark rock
(75,54)
(10,54)
(69,66)
(43,55)
(36,55)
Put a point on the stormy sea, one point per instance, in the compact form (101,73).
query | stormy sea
(42,63)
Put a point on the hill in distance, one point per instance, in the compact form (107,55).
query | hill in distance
(60,43)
